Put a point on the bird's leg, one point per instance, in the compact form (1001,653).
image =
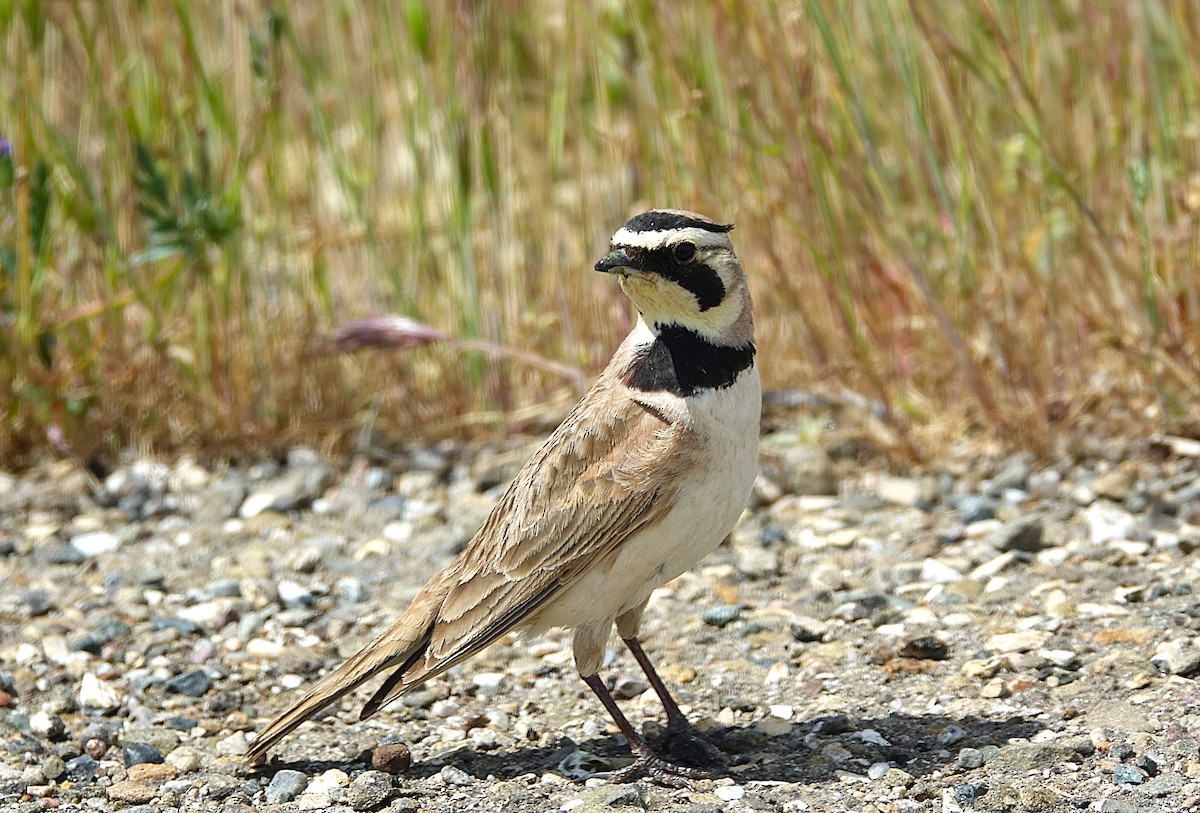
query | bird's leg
(645,761)
(677,723)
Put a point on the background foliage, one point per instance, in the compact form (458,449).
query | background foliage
(980,216)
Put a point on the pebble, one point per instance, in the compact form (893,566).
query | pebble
(1020,641)
(1177,658)
(192,683)
(970,758)
(1128,775)
(285,786)
(294,595)
(1107,522)
(452,775)
(1025,535)
(185,759)
(130,792)
(235,745)
(137,753)
(721,615)
(96,694)
(95,543)
(729,793)
(973,508)
(369,790)
(392,758)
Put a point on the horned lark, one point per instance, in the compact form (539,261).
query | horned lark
(647,474)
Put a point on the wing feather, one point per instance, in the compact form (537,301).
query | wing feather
(610,470)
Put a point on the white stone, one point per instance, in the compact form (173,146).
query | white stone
(96,694)
(870,735)
(256,503)
(729,793)
(96,543)
(1107,522)
(938,572)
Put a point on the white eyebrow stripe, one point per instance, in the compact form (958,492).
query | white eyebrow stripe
(656,239)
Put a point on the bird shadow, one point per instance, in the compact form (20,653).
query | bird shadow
(810,752)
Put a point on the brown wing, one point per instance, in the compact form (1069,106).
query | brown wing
(608,471)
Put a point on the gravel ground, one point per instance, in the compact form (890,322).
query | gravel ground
(991,634)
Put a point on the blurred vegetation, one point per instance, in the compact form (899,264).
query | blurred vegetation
(981,216)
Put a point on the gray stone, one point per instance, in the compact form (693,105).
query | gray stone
(1166,785)
(1024,535)
(1128,775)
(192,683)
(1119,715)
(369,790)
(1029,756)
(285,786)
(973,508)
(455,776)
(720,615)
(970,758)
(609,797)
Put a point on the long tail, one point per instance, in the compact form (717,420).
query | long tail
(398,647)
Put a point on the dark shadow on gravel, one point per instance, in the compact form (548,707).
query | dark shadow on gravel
(807,754)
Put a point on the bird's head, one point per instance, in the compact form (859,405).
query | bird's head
(679,269)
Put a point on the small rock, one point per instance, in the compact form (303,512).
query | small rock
(193,683)
(1119,715)
(293,595)
(95,543)
(235,745)
(1114,485)
(1044,484)
(721,615)
(1020,641)
(369,790)
(1177,658)
(1166,785)
(729,793)
(1029,756)
(995,689)
(130,792)
(455,776)
(1107,522)
(392,757)
(151,772)
(951,734)
(350,590)
(48,726)
(756,561)
(96,694)
(37,602)
(1128,775)
(1025,535)
(938,572)
(185,759)
(972,508)
(925,647)
(137,753)
(285,786)
(969,759)
(902,491)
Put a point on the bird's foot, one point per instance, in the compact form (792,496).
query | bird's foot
(682,741)
(654,767)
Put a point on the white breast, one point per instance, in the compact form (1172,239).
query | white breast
(708,505)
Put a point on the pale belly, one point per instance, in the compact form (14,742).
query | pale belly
(709,503)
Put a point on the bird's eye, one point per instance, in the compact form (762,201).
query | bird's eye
(685,252)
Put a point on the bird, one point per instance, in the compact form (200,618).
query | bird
(646,475)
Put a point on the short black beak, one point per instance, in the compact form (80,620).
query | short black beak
(617,260)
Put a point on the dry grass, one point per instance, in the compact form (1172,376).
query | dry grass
(980,215)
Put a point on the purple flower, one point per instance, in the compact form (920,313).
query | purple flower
(5,148)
